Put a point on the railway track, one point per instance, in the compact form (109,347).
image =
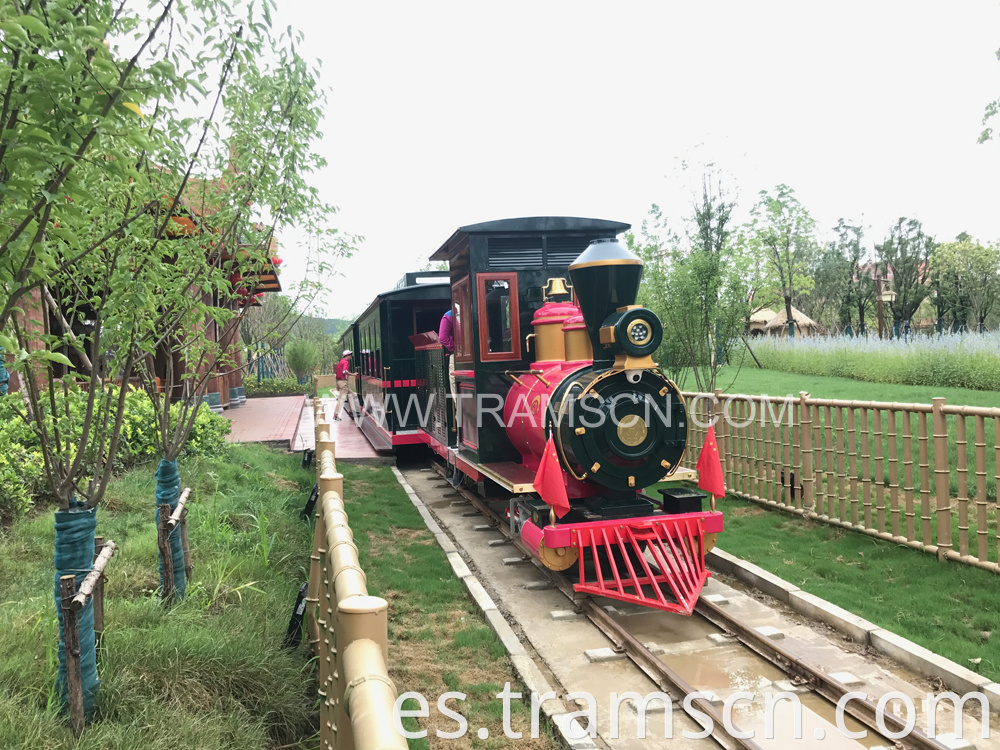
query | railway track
(806,676)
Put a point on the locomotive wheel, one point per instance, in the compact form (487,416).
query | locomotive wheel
(558,558)
(710,539)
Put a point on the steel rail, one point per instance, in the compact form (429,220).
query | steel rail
(824,685)
(862,710)
(665,678)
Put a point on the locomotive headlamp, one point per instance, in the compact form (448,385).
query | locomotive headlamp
(639,332)
(635,331)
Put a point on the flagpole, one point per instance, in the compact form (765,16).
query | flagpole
(552,516)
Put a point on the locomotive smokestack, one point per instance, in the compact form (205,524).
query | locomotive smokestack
(605,278)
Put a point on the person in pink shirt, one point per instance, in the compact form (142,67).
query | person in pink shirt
(343,391)
(446,335)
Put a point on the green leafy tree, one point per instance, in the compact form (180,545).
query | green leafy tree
(656,244)
(831,273)
(904,257)
(74,152)
(992,109)
(972,274)
(270,322)
(859,290)
(781,233)
(97,168)
(698,287)
(302,356)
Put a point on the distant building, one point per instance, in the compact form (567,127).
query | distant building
(804,325)
(759,318)
(225,386)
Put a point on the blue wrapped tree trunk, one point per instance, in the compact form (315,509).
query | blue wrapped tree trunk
(4,375)
(168,490)
(74,555)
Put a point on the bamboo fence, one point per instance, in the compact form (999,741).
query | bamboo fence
(923,475)
(347,628)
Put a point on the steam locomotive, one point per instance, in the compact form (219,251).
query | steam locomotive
(583,375)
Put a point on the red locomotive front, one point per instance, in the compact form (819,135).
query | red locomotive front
(619,425)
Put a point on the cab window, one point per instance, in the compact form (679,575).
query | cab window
(499,330)
(462,321)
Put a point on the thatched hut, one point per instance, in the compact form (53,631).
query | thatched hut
(804,325)
(758,319)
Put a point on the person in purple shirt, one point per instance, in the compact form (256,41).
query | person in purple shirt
(446,335)
(446,332)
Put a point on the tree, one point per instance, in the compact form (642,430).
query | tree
(302,356)
(270,322)
(655,246)
(972,268)
(72,150)
(831,273)
(97,167)
(781,229)
(697,287)
(859,294)
(992,109)
(904,257)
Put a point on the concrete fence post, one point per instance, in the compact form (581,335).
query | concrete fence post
(359,618)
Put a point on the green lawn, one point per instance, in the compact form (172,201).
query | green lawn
(952,609)
(439,641)
(751,380)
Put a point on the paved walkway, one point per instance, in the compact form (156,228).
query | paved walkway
(351,443)
(266,420)
(306,436)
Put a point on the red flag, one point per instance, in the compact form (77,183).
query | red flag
(709,467)
(550,482)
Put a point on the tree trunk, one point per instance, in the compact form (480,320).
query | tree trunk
(788,317)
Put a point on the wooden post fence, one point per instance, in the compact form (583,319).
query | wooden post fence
(72,601)
(169,521)
(866,466)
(347,628)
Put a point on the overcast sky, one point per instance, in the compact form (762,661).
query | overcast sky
(444,114)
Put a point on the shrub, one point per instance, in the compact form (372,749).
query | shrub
(22,471)
(302,356)
(276,387)
(139,441)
